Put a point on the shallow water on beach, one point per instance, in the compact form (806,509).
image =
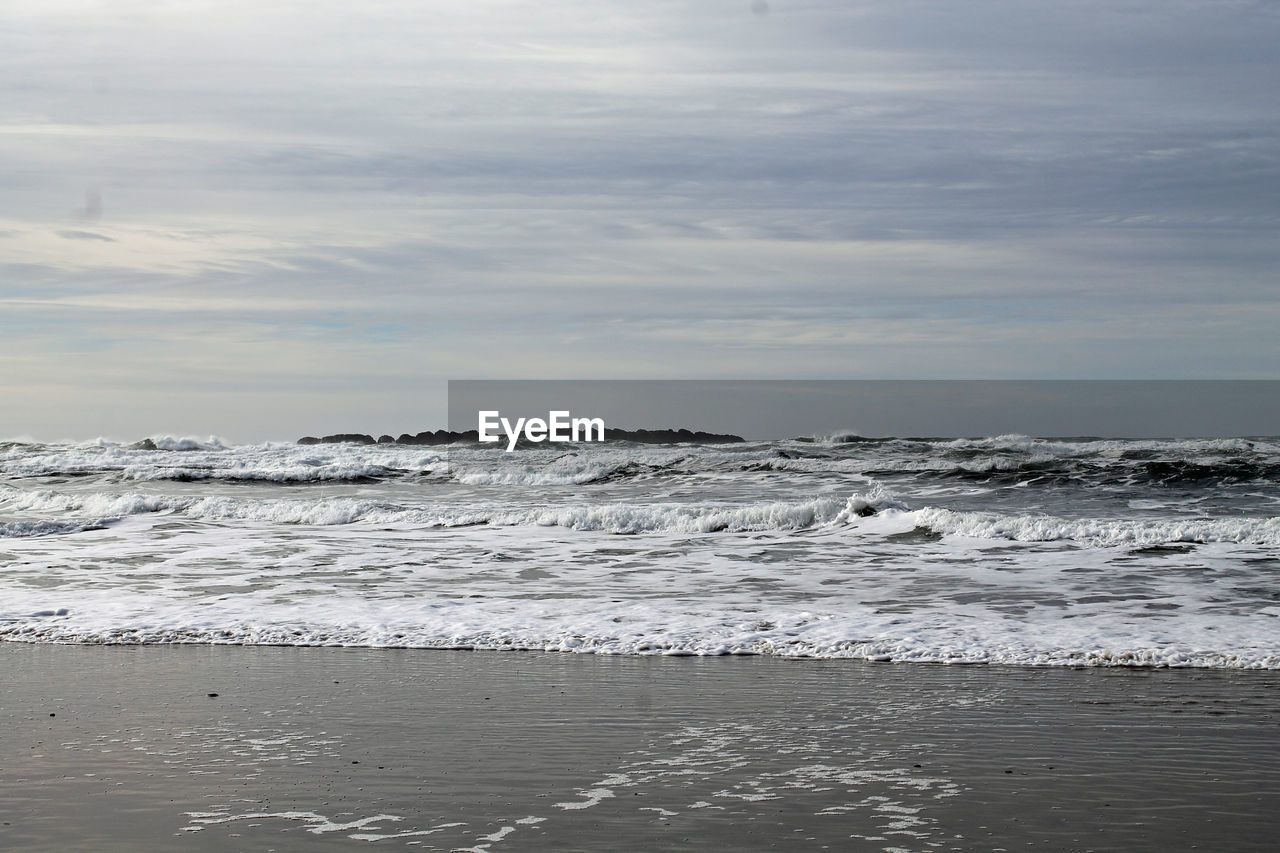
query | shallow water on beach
(332,749)
(997,550)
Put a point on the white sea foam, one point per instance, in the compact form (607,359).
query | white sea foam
(191,459)
(96,509)
(187,443)
(862,550)
(1099,532)
(19,529)
(101,508)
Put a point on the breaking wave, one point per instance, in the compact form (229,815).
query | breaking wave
(1100,533)
(100,509)
(96,510)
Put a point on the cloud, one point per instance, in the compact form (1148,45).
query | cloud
(883,188)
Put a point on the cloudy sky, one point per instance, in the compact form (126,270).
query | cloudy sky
(270,218)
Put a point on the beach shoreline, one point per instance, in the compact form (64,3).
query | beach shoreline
(126,748)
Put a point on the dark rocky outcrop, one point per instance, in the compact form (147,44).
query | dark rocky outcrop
(440,436)
(670,436)
(340,438)
(444,436)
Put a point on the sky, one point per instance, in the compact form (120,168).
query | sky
(267,219)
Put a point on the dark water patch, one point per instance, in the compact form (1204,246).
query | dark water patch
(1163,549)
(1049,473)
(636,471)
(629,567)
(267,479)
(225,590)
(782,554)
(914,536)
(980,596)
(1012,611)
(55,477)
(1192,569)
(1266,593)
(1166,472)
(1102,598)
(801,454)
(767,465)
(533,573)
(967,454)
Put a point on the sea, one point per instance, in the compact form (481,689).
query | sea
(1006,550)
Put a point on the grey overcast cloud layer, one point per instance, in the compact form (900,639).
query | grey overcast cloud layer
(270,218)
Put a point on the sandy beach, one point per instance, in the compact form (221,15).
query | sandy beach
(125,748)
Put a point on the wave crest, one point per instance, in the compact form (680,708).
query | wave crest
(617,518)
(1098,532)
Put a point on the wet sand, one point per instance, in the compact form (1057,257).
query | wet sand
(123,748)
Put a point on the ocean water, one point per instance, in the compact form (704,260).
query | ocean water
(1002,550)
